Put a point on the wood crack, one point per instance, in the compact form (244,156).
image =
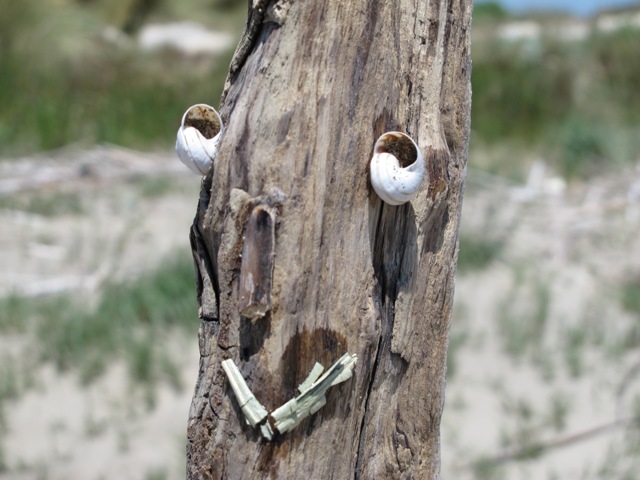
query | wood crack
(363,437)
(255,21)
(206,270)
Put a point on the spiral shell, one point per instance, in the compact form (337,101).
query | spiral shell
(198,137)
(397,168)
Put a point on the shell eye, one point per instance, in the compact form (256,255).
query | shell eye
(198,137)
(397,168)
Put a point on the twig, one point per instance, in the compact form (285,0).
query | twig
(565,441)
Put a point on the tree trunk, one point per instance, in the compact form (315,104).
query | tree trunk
(312,86)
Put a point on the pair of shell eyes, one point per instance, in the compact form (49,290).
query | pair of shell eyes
(397,167)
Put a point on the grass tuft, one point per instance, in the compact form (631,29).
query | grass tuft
(132,321)
(630,296)
(477,253)
(131,318)
(45,203)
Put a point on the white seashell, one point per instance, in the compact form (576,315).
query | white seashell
(198,137)
(397,168)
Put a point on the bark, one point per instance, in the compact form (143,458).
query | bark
(307,96)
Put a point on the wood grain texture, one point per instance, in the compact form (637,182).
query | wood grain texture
(350,274)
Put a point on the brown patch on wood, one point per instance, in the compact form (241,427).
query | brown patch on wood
(437,161)
(303,350)
(252,336)
(256,269)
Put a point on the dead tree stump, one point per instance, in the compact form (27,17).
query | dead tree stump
(298,260)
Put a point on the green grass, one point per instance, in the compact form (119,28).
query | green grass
(516,93)
(558,411)
(154,187)
(522,321)
(575,343)
(117,100)
(16,377)
(132,321)
(488,12)
(457,340)
(15,312)
(10,382)
(46,203)
(157,474)
(477,253)
(630,296)
(628,339)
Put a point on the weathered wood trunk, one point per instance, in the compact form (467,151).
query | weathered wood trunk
(348,273)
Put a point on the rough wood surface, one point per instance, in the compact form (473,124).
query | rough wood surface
(256,269)
(350,274)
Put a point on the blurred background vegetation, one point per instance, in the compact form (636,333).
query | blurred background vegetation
(72,71)
(574,101)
